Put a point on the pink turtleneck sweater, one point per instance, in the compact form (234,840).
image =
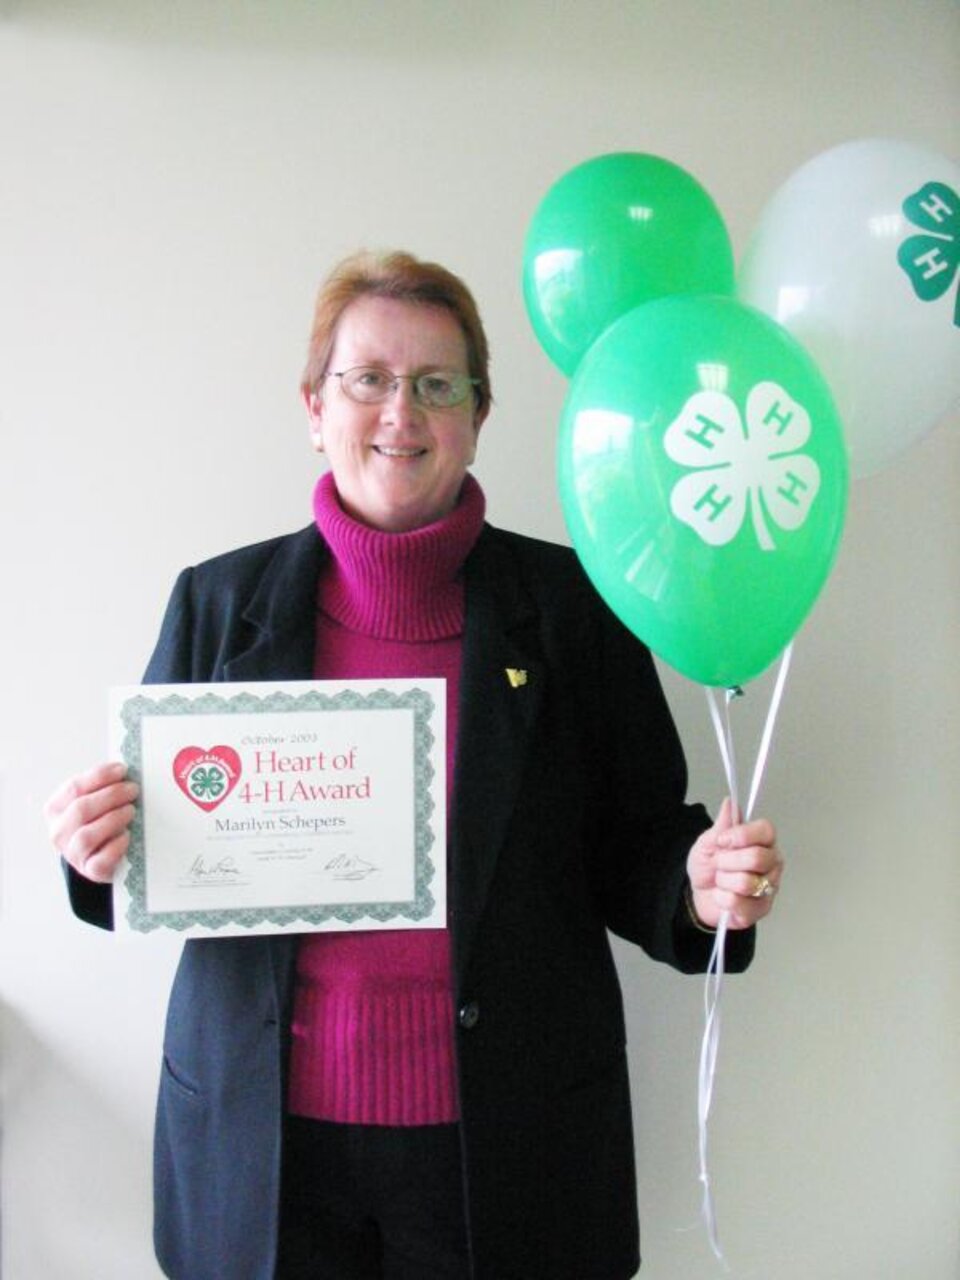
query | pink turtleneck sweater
(373,1011)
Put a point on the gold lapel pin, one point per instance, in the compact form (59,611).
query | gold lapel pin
(516,676)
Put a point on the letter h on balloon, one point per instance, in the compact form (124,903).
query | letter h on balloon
(933,263)
(776,414)
(794,486)
(703,435)
(716,505)
(936,207)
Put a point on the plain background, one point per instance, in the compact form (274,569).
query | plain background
(175,178)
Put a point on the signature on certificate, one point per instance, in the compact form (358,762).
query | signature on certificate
(223,871)
(350,867)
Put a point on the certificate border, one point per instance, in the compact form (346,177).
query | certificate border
(134,710)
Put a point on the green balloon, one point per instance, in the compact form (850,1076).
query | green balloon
(612,233)
(703,477)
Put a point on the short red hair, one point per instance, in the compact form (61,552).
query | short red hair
(407,279)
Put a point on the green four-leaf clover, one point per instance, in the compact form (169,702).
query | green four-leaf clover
(207,782)
(931,260)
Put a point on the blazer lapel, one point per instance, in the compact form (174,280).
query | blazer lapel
(283,613)
(283,610)
(501,688)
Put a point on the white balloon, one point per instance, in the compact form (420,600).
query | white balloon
(824,263)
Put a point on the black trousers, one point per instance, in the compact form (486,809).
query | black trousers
(367,1202)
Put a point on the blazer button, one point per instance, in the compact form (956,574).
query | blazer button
(469,1015)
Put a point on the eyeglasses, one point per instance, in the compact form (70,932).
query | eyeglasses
(435,389)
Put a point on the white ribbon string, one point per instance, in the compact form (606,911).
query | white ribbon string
(767,737)
(713,987)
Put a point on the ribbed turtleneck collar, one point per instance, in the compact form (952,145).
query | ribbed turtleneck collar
(397,586)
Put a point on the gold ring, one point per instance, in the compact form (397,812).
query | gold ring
(764,888)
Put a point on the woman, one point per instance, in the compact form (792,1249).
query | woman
(444,1103)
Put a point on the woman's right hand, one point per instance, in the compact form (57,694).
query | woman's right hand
(88,819)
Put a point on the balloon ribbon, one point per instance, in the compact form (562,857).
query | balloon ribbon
(713,987)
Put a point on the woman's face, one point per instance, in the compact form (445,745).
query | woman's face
(398,465)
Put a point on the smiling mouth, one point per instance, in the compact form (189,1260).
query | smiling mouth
(386,451)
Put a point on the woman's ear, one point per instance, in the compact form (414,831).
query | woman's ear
(313,402)
(478,421)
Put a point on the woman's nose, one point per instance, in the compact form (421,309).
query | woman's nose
(402,403)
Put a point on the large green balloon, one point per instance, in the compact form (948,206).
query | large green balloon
(703,476)
(612,233)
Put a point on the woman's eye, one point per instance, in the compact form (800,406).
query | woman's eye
(436,386)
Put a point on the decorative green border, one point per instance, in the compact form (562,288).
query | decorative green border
(134,710)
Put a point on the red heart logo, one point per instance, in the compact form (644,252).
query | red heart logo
(207,776)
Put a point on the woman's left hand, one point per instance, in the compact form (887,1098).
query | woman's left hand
(735,867)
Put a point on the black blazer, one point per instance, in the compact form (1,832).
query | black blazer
(568,820)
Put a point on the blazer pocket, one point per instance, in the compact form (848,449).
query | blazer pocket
(174,1079)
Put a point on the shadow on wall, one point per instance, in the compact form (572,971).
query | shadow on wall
(393,31)
(411,31)
(54,1128)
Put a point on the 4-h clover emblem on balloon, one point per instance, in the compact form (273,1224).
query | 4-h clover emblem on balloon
(743,464)
(703,477)
(857,256)
(932,258)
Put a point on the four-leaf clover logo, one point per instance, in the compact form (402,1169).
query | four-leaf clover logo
(738,464)
(207,775)
(931,260)
(207,782)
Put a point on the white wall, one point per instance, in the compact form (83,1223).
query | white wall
(174,179)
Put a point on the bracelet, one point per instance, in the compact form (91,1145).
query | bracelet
(692,911)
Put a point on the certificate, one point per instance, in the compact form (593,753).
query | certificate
(292,807)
